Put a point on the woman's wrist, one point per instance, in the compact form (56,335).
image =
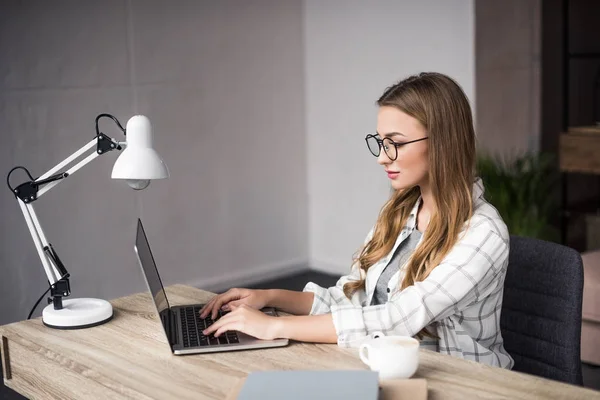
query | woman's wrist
(270,297)
(279,328)
(304,328)
(289,301)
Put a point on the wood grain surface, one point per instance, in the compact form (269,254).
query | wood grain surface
(129,358)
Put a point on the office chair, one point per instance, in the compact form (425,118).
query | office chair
(541,310)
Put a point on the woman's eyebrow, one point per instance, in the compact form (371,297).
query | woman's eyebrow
(392,134)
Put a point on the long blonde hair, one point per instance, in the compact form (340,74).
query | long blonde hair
(443,109)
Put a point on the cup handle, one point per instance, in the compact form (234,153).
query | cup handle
(377,334)
(364,354)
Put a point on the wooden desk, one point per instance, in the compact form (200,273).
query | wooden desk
(129,358)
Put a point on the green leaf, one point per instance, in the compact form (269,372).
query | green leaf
(521,188)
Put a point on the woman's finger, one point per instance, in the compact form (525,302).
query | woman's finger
(224,298)
(218,324)
(232,326)
(204,308)
(234,305)
(211,329)
(226,323)
(208,307)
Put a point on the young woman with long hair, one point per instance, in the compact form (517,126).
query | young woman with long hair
(434,264)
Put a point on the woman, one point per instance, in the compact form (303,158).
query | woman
(434,264)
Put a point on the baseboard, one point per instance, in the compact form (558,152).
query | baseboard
(251,276)
(329,268)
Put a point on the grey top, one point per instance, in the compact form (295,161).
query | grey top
(403,252)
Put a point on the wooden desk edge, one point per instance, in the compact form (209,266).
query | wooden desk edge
(5,359)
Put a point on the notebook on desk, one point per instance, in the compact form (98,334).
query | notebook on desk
(314,385)
(182,324)
(330,385)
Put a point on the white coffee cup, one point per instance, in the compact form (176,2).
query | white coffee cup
(392,356)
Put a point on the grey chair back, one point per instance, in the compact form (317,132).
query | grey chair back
(541,310)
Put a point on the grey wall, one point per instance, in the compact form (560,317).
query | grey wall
(222,83)
(255,104)
(508,75)
(354,50)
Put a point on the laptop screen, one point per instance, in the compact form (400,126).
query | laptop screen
(150,271)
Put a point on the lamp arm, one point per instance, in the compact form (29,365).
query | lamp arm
(28,192)
(58,178)
(69,159)
(104,144)
(53,267)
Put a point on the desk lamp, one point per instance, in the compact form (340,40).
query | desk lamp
(137,165)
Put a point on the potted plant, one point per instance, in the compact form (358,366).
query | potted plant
(522,189)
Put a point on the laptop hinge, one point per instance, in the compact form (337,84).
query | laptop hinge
(174,327)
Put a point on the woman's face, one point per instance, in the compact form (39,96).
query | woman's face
(412,163)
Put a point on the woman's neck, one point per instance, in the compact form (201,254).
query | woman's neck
(427,204)
(426,208)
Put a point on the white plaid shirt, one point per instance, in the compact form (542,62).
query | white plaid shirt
(459,301)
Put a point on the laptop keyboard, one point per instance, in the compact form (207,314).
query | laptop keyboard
(193,326)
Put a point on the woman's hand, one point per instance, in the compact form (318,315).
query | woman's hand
(247,320)
(256,299)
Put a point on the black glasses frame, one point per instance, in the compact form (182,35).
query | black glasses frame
(396,145)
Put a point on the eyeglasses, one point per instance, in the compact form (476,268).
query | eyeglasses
(389,146)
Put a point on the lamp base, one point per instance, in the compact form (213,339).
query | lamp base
(78,314)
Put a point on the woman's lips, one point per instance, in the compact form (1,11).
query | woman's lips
(392,174)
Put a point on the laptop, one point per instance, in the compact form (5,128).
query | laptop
(182,324)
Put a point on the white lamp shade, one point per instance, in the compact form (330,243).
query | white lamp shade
(139,162)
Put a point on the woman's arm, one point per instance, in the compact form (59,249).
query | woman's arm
(297,303)
(470,272)
(311,328)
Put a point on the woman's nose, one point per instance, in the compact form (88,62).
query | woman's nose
(383,158)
